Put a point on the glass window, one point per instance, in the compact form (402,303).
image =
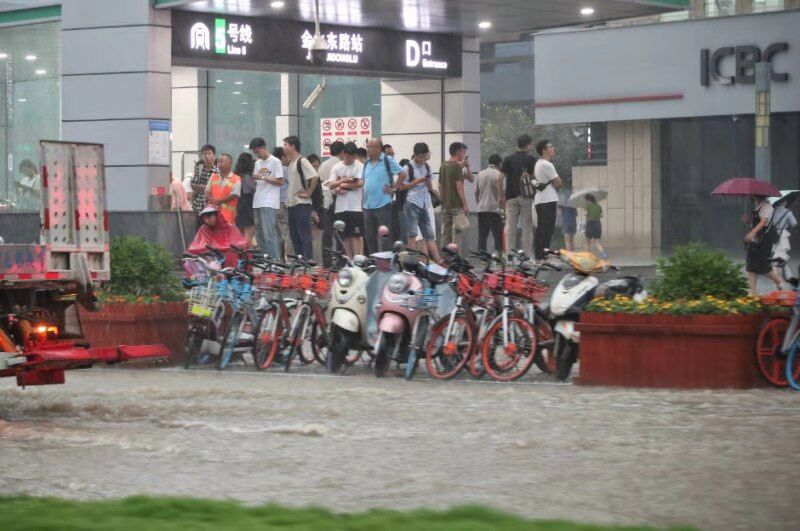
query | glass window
(30,96)
(767,5)
(343,96)
(720,8)
(242,105)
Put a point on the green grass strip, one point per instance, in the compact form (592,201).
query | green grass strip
(19,513)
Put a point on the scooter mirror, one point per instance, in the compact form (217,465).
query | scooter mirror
(398,246)
(339,226)
(360,260)
(383,231)
(453,248)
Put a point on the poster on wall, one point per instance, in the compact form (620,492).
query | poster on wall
(356,129)
(159,148)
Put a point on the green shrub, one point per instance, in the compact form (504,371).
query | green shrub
(695,271)
(142,272)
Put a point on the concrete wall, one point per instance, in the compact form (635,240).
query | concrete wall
(632,178)
(114,81)
(653,71)
(437,112)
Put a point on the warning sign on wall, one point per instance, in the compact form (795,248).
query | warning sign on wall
(356,129)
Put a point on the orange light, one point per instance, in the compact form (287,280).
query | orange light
(41,329)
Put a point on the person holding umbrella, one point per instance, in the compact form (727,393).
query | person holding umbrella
(594,227)
(759,241)
(762,235)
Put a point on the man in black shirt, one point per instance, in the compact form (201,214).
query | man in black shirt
(518,208)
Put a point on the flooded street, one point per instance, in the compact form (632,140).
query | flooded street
(716,460)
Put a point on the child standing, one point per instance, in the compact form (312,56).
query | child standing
(594,227)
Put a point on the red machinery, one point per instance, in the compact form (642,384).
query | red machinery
(41,284)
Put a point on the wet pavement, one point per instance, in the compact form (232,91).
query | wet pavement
(716,460)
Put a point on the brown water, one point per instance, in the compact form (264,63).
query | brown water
(717,460)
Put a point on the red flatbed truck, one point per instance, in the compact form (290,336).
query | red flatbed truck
(41,284)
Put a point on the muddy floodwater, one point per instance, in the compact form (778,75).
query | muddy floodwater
(716,460)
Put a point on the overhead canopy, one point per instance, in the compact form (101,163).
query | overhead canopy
(440,16)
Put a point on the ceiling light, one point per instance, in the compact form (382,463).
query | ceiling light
(586,11)
(238,82)
(236,93)
(484,24)
(219,81)
(22,100)
(3,56)
(41,72)
(30,57)
(244,103)
(277,4)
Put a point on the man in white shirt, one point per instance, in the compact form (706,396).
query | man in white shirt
(546,200)
(346,182)
(326,217)
(268,176)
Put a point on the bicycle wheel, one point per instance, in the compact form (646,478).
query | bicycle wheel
(308,349)
(447,354)
(230,341)
(268,337)
(294,343)
(508,362)
(192,346)
(319,348)
(771,362)
(544,359)
(384,353)
(793,365)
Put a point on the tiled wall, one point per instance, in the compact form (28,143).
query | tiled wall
(632,178)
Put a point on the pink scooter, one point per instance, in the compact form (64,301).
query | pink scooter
(407,310)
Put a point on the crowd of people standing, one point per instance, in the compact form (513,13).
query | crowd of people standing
(287,203)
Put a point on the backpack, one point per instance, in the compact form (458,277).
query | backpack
(527,182)
(316,195)
(435,200)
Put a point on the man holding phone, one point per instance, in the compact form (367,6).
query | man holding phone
(346,184)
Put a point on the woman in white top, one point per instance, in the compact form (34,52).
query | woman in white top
(759,241)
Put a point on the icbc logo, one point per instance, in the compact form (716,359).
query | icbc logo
(744,58)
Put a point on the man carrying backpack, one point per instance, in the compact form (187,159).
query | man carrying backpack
(419,200)
(302,178)
(518,168)
(379,186)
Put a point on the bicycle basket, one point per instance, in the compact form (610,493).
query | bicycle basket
(784,299)
(274,282)
(516,284)
(203,300)
(420,301)
(239,292)
(318,282)
(470,288)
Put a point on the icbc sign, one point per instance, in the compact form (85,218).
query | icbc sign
(744,59)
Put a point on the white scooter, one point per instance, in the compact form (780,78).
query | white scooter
(571,296)
(349,308)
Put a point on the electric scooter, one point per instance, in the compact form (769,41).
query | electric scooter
(571,296)
(348,309)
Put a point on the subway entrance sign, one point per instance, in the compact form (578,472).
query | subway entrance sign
(223,41)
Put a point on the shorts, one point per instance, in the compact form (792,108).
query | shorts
(594,230)
(418,217)
(570,225)
(353,223)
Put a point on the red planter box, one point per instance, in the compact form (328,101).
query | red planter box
(688,352)
(137,324)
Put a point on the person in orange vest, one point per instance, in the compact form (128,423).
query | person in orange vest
(224,189)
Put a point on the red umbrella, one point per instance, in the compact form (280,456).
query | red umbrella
(744,186)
